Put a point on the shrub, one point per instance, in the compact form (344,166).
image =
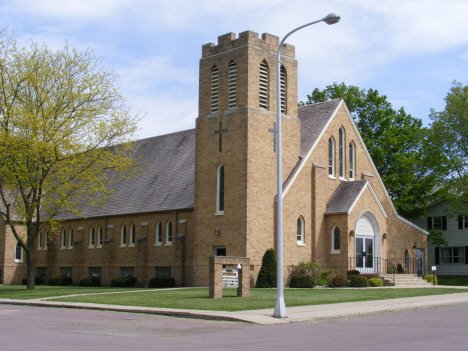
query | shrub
(391,270)
(161,282)
(302,281)
(337,280)
(123,282)
(357,281)
(90,281)
(375,282)
(60,281)
(304,268)
(267,275)
(431,279)
(37,281)
(353,272)
(400,269)
(323,275)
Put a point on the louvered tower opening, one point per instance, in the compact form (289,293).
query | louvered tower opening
(214,89)
(232,85)
(283,89)
(264,85)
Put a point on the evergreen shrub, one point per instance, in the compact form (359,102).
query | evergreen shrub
(267,275)
(302,281)
(323,275)
(60,281)
(161,282)
(391,270)
(337,280)
(431,279)
(375,282)
(90,281)
(400,269)
(37,281)
(357,281)
(353,272)
(123,282)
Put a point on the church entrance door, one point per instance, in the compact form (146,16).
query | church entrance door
(365,254)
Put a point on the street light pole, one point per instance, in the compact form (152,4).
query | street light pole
(280,308)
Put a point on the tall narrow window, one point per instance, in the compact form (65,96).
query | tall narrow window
(158,233)
(70,238)
(331,157)
(220,190)
(132,234)
(335,234)
(99,237)
(264,81)
(352,155)
(91,237)
(406,259)
(232,85)
(341,152)
(300,231)
(39,241)
(123,235)
(18,253)
(169,233)
(214,89)
(284,89)
(64,238)
(46,239)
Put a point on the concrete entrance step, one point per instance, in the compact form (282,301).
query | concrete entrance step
(400,280)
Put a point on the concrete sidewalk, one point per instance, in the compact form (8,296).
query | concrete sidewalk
(295,314)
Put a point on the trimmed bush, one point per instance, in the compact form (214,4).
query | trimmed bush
(400,269)
(37,281)
(267,275)
(375,282)
(161,282)
(431,279)
(323,275)
(60,281)
(304,268)
(353,272)
(357,281)
(90,281)
(123,282)
(302,281)
(337,280)
(391,270)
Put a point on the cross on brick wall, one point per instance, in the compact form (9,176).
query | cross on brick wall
(275,133)
(220,131)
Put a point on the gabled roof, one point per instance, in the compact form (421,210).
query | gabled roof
(166,181)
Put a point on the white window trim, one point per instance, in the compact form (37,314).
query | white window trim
(99,233)
(91,231)
(333,251)
(22,255)
(352,148)
(332,175)
(158,234)
(342,161)
(218,212)
(302,241)
(122,236)
(132,227)
(70,238)
(168,243)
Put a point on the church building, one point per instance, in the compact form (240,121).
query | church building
(212,190)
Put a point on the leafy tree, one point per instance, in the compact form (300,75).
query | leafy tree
(396,141)
(267,275)
(60,118)
(436,238)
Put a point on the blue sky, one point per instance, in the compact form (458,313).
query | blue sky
(409,50)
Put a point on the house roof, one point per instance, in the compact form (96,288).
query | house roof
(165,182)
(345,196)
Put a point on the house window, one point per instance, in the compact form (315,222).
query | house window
(220,191)
(352,155)
(99,237)
(94,272)
(220,250)
(232,85)
(132,234)
(162,272)
(283,87)
(70,238)
(158,234)
(341,152)
(168,233)
(64,238)
(455,255)
(406,259)
(264,81)
(300,231)
(41,272)
(214,89)
(18,253)
(127,271)
(437,223)
(39,241)
(66,272)
(91,237)
(462,222)
(123,236)
(336,238)
(331,158)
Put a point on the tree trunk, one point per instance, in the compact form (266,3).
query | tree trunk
(30,269)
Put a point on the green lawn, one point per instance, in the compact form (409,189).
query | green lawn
(453,280)
(197,298)
(20,292)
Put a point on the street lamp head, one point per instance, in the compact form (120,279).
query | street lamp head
(332,18)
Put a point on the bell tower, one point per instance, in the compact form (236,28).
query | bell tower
(235,148)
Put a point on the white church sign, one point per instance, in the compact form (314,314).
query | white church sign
(230,278)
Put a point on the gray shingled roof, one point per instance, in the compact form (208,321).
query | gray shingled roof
(166,181)
(313,119)
(344,196)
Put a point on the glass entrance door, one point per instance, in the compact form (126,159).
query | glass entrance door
(365,254)
(420,261)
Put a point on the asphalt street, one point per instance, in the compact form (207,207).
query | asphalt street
(38,328)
